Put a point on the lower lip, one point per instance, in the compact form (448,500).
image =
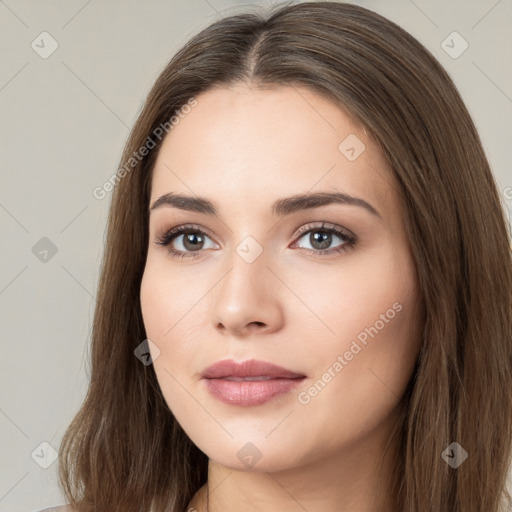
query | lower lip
(249,393)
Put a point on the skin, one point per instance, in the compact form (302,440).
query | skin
(243,148)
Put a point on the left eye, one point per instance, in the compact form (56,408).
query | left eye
(321,239)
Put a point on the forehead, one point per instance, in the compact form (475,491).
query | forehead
(248,146)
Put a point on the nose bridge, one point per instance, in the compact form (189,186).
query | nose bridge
(247,271)
(245,294)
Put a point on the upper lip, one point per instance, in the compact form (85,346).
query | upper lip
(249,368)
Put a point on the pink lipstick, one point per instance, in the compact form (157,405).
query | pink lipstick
(250,382)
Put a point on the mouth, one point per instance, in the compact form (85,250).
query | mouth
(249,383)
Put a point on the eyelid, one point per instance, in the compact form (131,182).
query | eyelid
(327,226)
(178,231)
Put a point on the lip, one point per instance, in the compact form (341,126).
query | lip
(248,368)
(250,382)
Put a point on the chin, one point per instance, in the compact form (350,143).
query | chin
(254,453)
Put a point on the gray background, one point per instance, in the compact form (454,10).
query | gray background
(64,122)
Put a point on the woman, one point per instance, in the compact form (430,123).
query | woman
(306,290)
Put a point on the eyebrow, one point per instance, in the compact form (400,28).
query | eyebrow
(280,207)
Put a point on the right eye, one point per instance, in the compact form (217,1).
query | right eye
(192,241)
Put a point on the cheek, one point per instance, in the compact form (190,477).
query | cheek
(359,383)
(160,319)
(172,326)
(368,311)
(153,302)
(363,368)
(168,301)
(370,289)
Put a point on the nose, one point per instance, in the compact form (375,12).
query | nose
(248,299)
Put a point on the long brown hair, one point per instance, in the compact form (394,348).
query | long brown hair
(124,451)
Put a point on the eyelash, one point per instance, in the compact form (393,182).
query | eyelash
(348,238)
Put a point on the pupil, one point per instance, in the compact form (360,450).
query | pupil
(323,240)
(189,239)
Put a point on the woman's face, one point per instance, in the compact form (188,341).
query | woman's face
(324,288)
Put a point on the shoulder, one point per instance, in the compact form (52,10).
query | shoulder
(199,500)
(60,508)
